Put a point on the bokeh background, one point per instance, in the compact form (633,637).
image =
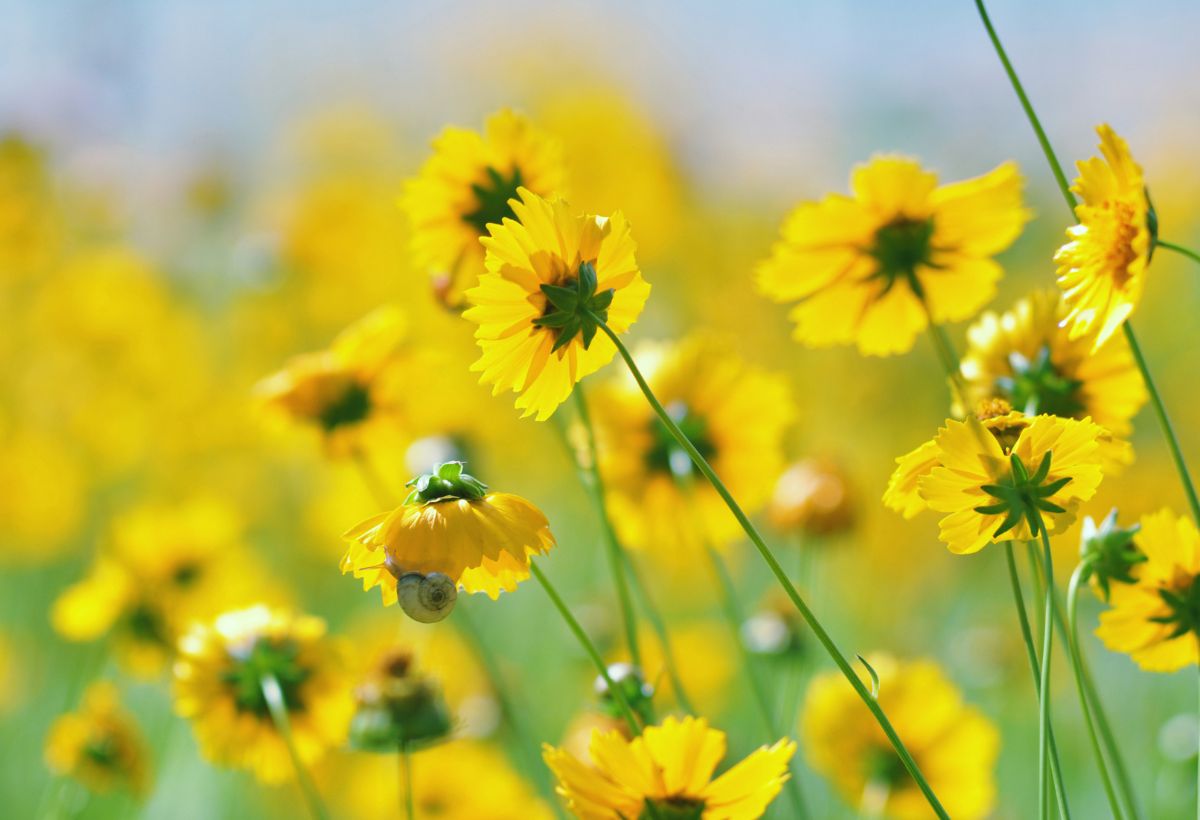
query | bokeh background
(204,189)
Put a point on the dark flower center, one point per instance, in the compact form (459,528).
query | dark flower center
(351,406)
(885,769)
(1036,386)
(677,807)
(491,199)
(186,574)
(900,247)
(665,455)
(102,751)
(146,625)
(245,675)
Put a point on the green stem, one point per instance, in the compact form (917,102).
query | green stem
(1180,249)
(1076,663)
(734,617)
(277,706)
(1035,668)
(949,359)
(1056,167)
(406,782)
(614,691)
(660,630)
(1047,645)
(594,483)
(780,575)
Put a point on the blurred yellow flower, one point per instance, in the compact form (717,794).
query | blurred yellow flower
(31,233)
(1156,619)
(44,496)
(348,387)
(876,267)
(550,276)
(161,567)
(705,657)
(992,478)
(450,532)
(711,392)
(218,685)
(1027,357)
(1101,270)
(954,744)
(100,745)
(466,185)
(813,496)
(670,768)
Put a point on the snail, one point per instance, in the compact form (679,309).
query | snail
(426,598)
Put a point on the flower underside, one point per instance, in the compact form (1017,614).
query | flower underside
(279,659)
(665,455)
(446,482)
(1021,495)
(1036,386)
(351,407)
(1109,552)
(1184,602)
(574,308)
(491,199)
(900,247)
(679,807)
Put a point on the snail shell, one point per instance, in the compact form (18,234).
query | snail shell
(426,598)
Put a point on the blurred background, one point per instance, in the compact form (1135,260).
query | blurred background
(190,193)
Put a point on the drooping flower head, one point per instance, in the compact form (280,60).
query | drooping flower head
(1026,357)
(1108,553)
(670,768)
(953,743)
(658,504)
(465,186)
(343,389)
(449,533)
(219,686)
(551,277)
(994,479)
(1156,619)
(99,745)
(1102,268)
(859,267)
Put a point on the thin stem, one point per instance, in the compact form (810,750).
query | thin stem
(615,691)
(1056,167)
(1035,668)
(406,782)
(1198,768)
(780,575)
(1164,422)
(948,357)
(592,480)
(277,706)
(1047,645)
(660,631)
(1180,249)
(1076,664)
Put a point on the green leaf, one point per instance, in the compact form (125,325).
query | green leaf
(874,676)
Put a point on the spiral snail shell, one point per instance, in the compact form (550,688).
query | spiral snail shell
(426,598)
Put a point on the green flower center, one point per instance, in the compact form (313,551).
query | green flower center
(678,807)
(1183,599)
(885,769)
(900,247)
(146,625)
(1036,386)
(102,751)
(186,574)
(491,199)
(245,674)
(665,455)
(351,406)
(574,308)
(446,482)
(1022,495)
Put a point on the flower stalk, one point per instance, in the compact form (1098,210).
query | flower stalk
(277,706)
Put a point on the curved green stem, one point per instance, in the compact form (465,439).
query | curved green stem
(1035,668)
(277,706)
(617,693)
(1076,664)
(1179,249)
(780,575)
(1047,645)
(594,483)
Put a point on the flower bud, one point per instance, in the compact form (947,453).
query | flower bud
(1108,552)
(812,496)
(397,708)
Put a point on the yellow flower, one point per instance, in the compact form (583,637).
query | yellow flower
(550,274)
(449,533)
(813,496)
(467,185)
(1155,619)
(44,498)
(218,686)
(1028,358)
(669,767)
(992,479)
(161,567)
(347,387)
(1101,270)
(100,745)
(31,230)
(954,744)
(657,502)
(861,266)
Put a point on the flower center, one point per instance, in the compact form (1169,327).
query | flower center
(351,405)
(146,625)
(900,246)
(1022,495)
(885,769)
(491,198)
(1119,231)
(1182,598)
(102,751)
(665,455)
(676,807)
(245,674)
(186,574)
(447,482)
(574,307)
(1036,386)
